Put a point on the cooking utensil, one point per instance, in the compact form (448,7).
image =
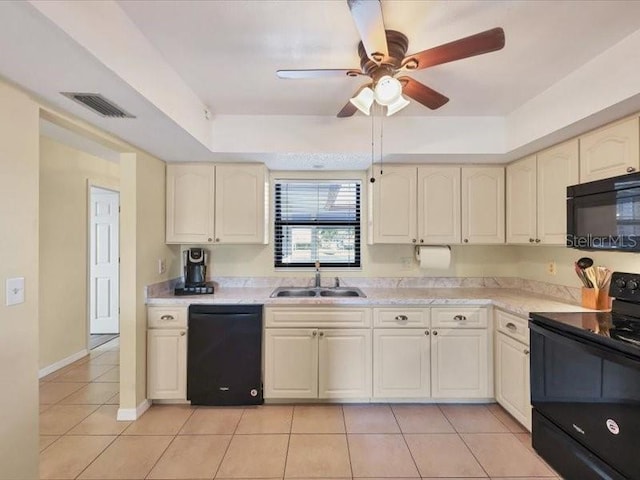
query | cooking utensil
(581,275)
(584,262)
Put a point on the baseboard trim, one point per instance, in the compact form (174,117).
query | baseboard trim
(131,414)
(43,372)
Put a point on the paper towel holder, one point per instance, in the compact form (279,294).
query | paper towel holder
(416,249)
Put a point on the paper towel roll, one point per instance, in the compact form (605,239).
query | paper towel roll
(434,258)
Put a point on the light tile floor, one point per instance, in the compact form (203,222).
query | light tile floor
(80,437)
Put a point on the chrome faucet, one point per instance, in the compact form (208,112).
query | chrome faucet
(317,283)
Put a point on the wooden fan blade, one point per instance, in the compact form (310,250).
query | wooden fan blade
(349,109)
(421,93)
(326,73)
(367,15)
(477,44)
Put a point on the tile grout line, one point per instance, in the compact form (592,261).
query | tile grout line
(286,456)
(226,450)
(346,434)
(404,439)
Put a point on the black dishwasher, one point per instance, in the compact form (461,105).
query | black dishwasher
(224,355)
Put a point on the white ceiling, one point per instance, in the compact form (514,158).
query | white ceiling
(228,51)
(168,61)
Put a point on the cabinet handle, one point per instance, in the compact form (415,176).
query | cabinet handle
(459,318)
(538,240)
(209,239)
(426,332)
(421,240)
(402,318)
(167,317)
(322,334)
(531,240)
(511,326)
(630,169)
(435,332)
(314,333)
(414,240)
(526,351)
(182,334)
(217,239)
(466,240)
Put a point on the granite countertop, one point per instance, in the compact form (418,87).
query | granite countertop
(514,300)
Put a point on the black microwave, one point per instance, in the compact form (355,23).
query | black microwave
(605,214)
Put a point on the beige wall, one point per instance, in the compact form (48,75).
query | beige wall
(142,234)
(64,175)
(532,263)
(19,258)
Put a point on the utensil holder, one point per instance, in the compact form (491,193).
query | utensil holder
(601,301)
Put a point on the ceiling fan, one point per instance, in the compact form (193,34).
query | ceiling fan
(383,58)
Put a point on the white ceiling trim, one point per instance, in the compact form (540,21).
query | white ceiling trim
(105,31)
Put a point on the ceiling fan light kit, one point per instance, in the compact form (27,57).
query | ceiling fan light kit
(383,57)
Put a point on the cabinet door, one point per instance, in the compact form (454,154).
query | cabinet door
(401,360)
(557,169)
(393,212)
(240,203)
(512,378)
(482,205)
(290,363)
(344,369)
(190,203)
(521,201)
(167,364)
(438,205)
(610,151)
(459,363)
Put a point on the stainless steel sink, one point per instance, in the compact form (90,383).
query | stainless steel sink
(317,292)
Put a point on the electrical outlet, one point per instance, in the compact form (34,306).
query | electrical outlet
(407,263)
(162,266)
(551,268)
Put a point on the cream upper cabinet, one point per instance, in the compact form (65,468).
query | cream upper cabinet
(393,205)
(216,203)
(190,203)
(537,193)
(438,205)
(483,205)
(241,206)
(610,151)
(557,169)
(521,201)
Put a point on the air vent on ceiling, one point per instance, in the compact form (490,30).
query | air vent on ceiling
(98,104)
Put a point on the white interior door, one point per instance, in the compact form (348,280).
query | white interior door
(104,261)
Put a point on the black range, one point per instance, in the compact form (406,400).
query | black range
(585,387)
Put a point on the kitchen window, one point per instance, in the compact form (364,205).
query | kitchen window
(317,220)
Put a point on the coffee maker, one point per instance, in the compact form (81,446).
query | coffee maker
(194,262)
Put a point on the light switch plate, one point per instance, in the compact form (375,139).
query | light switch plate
(15,291)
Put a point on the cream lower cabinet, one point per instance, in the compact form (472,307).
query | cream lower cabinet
(317,352)
(401,363)
(167,364)
(512,374)
(291,363)
(459,363)
(167,353)
(317,363)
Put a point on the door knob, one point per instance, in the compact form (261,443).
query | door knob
(426,332)
(630,169)
(182,334)
(435,332)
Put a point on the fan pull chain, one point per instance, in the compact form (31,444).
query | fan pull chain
(372,179)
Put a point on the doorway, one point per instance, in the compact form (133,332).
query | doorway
(104,265)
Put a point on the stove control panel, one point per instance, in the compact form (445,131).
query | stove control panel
(625,286)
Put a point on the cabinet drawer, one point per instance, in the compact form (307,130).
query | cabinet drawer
(512,326)
(317,317)
(399,317)
(465,317)
(166,317)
